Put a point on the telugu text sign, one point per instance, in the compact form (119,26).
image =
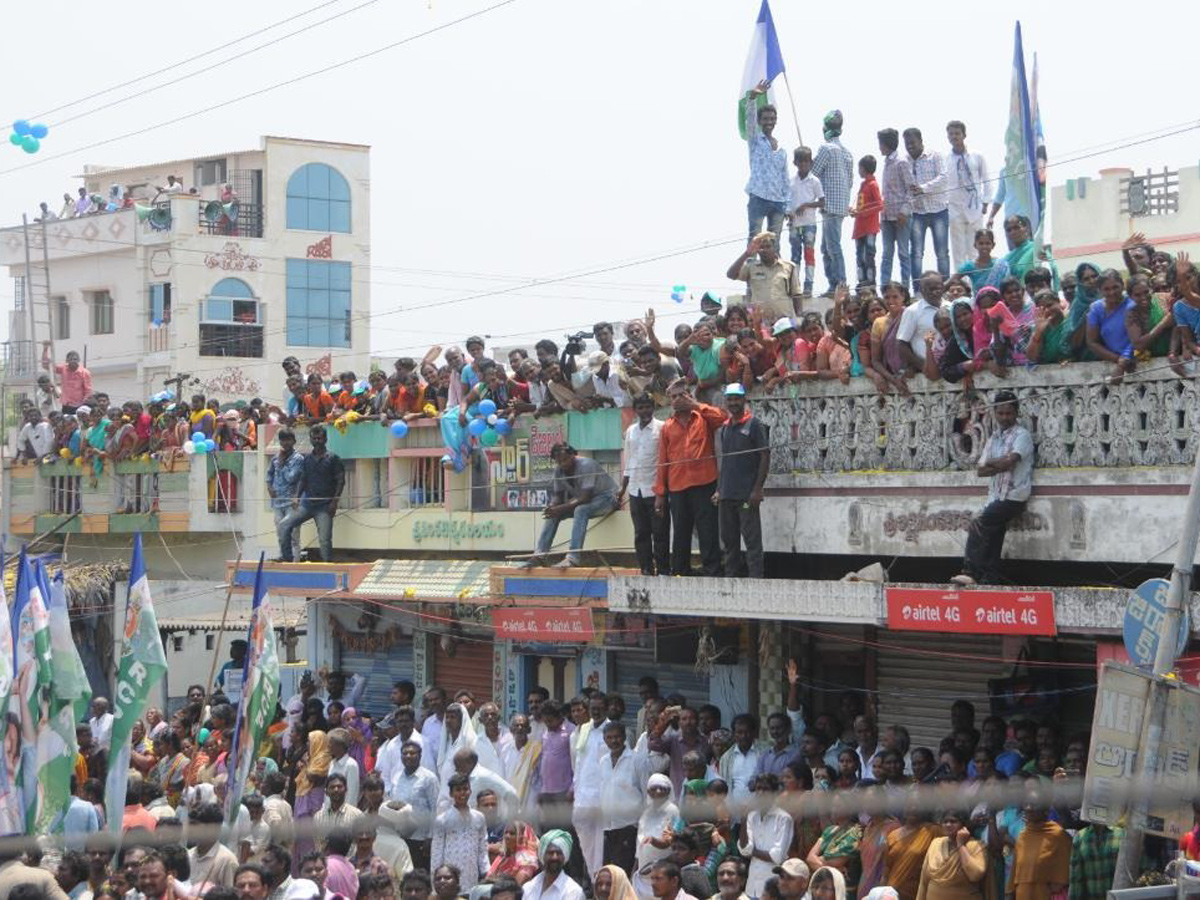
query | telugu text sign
(970,612)
(548,625)
(1117,724)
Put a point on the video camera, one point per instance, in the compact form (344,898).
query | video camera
(575,342)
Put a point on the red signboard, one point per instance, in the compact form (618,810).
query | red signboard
(547,625)
(970,611)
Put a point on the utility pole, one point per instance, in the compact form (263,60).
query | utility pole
(1154,719)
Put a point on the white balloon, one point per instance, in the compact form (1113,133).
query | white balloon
(492,419)
(189,447)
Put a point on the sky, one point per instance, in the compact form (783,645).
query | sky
(550,138)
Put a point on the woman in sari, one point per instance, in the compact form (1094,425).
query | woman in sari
(1148,325)
(359,731)
(838,847)
(1015,319)
(1021,258)
(171,766)
(849,769)
(611,883)
(311,769)
(1042,857)
(873,846)
(797,782)
(906,849)
(885,345)
(518,857)
(955,865)
(985,269)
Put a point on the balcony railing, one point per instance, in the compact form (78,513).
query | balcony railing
(238,219)
(1076,417)
(158,338)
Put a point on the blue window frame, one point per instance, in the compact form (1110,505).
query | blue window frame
(318,199)
(318,303)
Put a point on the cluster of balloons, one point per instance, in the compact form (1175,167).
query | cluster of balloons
(163,396)
(28,135)
(677,292)
(199,444)
(487,425)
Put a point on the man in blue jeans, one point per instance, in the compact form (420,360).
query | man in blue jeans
(582,490)
(895,225)
(834,168)
(930,204)
(768,189)
(317,494)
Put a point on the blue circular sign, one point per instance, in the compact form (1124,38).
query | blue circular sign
(1144,614)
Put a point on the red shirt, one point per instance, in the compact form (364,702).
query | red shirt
(138,817)
(686,457)
(869,205)
(76,385)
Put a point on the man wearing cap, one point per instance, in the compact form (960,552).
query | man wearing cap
(582,490)
(834,168)
(743,449)
(773,283)
(793,879)
(687,473)
(552,883)
(606,382)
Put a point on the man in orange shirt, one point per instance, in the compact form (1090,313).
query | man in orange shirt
(687,468)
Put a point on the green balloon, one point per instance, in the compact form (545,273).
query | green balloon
(30,144)
(14,139)
(489,438)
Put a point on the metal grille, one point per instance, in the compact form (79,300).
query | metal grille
(425,486)
(1151,194)
(248,222)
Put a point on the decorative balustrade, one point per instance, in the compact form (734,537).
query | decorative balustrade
(1076,417)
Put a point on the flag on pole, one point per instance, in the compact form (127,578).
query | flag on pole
(1039,139)
(763,63)
(70,694)
(143,664)
(12,820)
(1019,189)
(260,694)
(31,685)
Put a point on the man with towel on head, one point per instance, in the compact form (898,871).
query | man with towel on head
(552,883)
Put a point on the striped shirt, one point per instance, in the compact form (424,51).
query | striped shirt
(897,177)
(930,176)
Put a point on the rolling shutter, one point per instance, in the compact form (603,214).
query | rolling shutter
(632,665)
(470,668)
(916,689)
(383,669)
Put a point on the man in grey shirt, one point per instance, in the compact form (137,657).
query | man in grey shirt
(1007,459)
(582,490)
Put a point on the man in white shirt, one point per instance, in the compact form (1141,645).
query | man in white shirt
(807,197)
(917,320)
(651,533)
(969,193)
(466,762)
(413,791)
(431,728)
(587,815)
(930,204)
(739,764)
(495,733)
(552,883)
(101,724)
(36,437)
(620,798)
(212,863)
(387,761)
(343,763)
(606,380)
(335,689)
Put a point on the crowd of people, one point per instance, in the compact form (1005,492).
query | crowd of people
(576,798)
(120,197)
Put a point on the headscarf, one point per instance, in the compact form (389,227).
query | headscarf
(981,329)
(839,881)
(319,761)
(621,888)
(556,837)
(1083,297)
(882,893)
(658,780)
(965,342)
(467,739)
(267,766)
(832,124)
(525,857)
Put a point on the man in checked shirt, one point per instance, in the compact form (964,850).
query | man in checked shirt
(834,168)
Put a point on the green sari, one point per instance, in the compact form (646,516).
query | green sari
(842,842)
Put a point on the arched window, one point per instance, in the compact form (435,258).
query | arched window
(318,199)
(231,321)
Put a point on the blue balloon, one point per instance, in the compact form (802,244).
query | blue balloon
(502,426)
(678,298)
(476,427)
(39,130)
(487,407)
(210,445)
(30,144)
(198,437)
(399,428)
(21,126)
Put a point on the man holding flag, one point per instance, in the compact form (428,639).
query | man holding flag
(143,664)
(260,695)
(768,188)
